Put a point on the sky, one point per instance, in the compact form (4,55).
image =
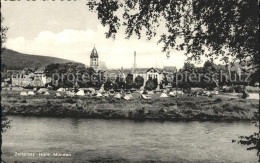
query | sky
(68,30)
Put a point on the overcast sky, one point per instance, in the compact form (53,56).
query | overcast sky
(68,30)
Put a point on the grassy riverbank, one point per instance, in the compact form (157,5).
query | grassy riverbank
(180,108)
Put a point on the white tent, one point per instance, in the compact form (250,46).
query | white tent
(31,93)
(130,95)
(117,96)
(206,93)
(126,97)
(42,90)
(57,95)
(80,93)
(163,95)
(70,94)
(99,95)
(46,93)
(101,90)
(150,92)
(214,92)
(61,90)
(23,94)
(173,94)
(146,97)
(180,93)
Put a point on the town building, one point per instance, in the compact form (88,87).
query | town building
(32,79)
(94,62)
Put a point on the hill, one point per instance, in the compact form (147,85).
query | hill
(13,60)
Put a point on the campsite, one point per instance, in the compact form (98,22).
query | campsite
(137,105)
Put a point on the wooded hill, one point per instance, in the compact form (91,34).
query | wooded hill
(13,60)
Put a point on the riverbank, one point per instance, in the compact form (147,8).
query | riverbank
(173,109)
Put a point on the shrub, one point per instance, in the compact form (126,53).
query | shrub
(218,100)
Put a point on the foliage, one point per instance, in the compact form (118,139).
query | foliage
(5,122)
(203,28)
(68,74)
(4,30)
(253,140)
(120,83)
(108,85)
(150,84)
(129,81)
(139,81)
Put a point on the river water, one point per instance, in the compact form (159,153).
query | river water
(124,140)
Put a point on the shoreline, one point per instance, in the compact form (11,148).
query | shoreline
(183,108)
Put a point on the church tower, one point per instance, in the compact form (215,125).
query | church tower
(94,59)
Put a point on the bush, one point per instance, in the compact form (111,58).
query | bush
(218,100)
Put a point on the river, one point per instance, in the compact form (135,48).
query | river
(124,140)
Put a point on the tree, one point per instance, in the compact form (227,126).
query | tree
(149,85)
(139,82)
(129,81)
(5,122)
(225,29)
(190,67)
(4,30)
(108,85)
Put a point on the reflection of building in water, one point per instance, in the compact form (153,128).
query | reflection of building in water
(94,63)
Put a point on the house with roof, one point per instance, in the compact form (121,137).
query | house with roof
(32,79)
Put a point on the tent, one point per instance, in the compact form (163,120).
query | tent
(46,93)
(146,97)
(42,90)
(101,90)
(214,92)
(31,93)
(80,93)
(69,94)
(150,92)
(173,94)
(126,97)
(61,90)
(130,95)
(180,93)
(163,95)
(23,94)
(99,95)
(57,95)
(118,96)
(206,93)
